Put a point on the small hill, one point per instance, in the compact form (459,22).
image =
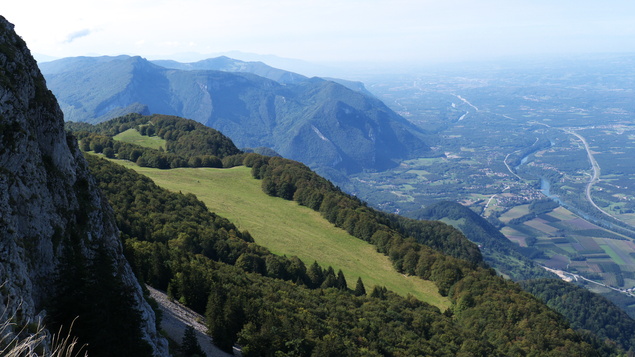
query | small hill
(158,141)
(502,254)
(585,310)
(323,124)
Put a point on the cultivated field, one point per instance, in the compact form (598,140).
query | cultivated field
(573,244)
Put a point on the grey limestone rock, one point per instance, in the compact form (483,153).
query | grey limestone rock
(46,194)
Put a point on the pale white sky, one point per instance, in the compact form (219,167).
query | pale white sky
(325,30)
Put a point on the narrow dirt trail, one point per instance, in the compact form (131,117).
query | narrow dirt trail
(176,317)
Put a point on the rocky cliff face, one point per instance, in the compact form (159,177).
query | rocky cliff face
(47,195)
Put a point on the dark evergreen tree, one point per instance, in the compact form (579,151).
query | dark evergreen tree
(341,280)
(379,292)
(69,305)
(215,317)
(330,280)
(93,299)
(189,345)
(315,275)
(115,324)
(359,287)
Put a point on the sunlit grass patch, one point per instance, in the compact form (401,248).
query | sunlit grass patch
(286,228)
(134,137)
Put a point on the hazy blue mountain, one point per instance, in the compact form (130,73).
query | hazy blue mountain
(318,122)
(227,64)
(354,85)
(290,64)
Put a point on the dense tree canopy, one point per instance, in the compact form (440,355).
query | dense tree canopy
(188,143)
(586,310)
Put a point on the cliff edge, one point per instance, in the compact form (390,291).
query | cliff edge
(49,202)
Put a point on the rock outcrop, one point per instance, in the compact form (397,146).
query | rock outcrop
(47,196)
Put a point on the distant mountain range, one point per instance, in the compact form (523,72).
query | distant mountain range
(325,124)
(227,64)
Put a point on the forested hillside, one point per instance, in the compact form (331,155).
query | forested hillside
(398,237)
(585,310)
(187,143)
(190,254)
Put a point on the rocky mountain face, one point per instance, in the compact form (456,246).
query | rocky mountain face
(47,196)
(321,123)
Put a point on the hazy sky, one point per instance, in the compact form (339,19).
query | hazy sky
(325,30)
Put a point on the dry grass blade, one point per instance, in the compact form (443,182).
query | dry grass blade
(22,343)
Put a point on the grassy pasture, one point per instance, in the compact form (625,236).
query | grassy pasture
(287,228)
(134,137)
(541,225)
(562,214)
(515,212)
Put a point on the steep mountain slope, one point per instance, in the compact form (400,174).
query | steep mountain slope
(226,64)
(285,307)
(52,216)
(320,123)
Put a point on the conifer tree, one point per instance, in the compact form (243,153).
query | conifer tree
(341,280)
(94,300)
(379,292)
(316,275)
(359,287)
(216,326)
(189,345)
(330,281)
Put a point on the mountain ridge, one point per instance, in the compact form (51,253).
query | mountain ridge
(361,132)
(226,64)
